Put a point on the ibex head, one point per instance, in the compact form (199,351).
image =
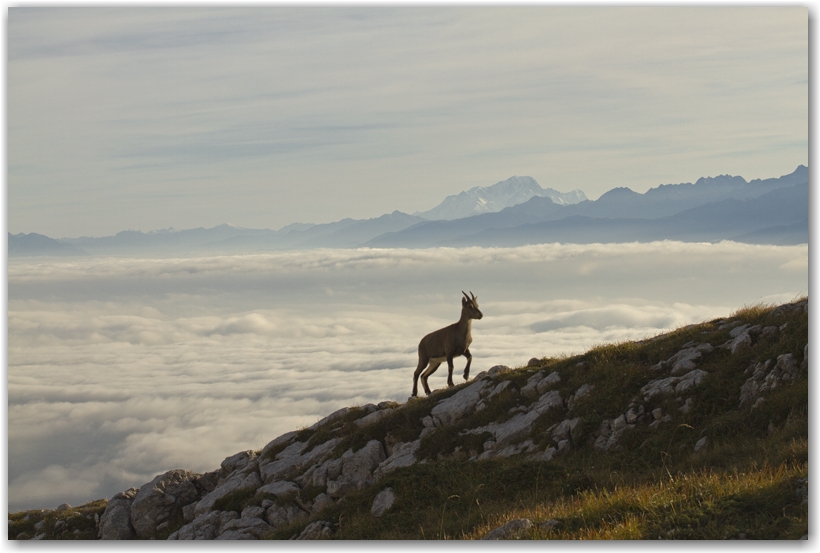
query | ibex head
(470,305)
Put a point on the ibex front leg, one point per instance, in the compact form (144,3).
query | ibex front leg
(450,371)
(469,357)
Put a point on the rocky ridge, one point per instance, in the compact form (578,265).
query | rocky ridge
(535,413)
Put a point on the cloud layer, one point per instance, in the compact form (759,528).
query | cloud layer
(120,369)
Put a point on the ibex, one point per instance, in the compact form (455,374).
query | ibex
(447,343)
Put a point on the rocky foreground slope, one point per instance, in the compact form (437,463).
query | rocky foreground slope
(718,396)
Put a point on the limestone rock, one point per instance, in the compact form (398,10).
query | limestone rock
(293,460)
(548,401)
(459,405)
(238,482)
(382,502)
(765,379)
(281,490)
(568,429)
(549,380)
(157,501)
(520,424)
(356,469)
(673,384)
(319,530)
(333,417)
(582,391)
(242,528)
(530,390)
(611,431)
(498,389)
(205,526)
(509,530)
(372,418)
(286,438)
(115,523)
(496,369)
(686,359)
(404,455)
(320,502)
(237,461)
(703,442)
(741,338)
(282,515)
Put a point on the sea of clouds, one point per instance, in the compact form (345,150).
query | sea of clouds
(123,368)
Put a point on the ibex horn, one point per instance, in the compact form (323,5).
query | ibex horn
(465,294)
(471,293)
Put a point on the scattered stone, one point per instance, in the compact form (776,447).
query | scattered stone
(584,390)
(687,406)
(244,529)
(238,482)
(530,388)
(459,405)
(548,525)
(205,526)
(283,515)
(278,442)
(703,442)
(320,502)
(159,500)
(568,429)
(382,502)
(673,384)
(685,360)
(534,362)
(238,461)
(765,379)
(549,380)
(293,460)
(740,341)
(282,490)
(319,530)
(509,530)
(497,390)
(63,507)
(372,418)
(357,469)
(769,332)
(115,523)
(495,370)
(404,455)
(333,417)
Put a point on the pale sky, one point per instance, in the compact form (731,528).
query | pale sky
(148,118)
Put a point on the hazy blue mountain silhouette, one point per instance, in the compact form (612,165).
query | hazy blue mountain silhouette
(770,211)
(623,208)
(37,244)
(777,217)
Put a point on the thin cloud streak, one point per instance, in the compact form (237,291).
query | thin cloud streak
(120,369)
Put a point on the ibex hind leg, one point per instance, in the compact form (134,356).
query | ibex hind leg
(422,363)
(426,374)
(469,357)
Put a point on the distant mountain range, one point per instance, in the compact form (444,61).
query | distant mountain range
(513,191)
(770,211)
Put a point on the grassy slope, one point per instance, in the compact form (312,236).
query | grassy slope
(748,482)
